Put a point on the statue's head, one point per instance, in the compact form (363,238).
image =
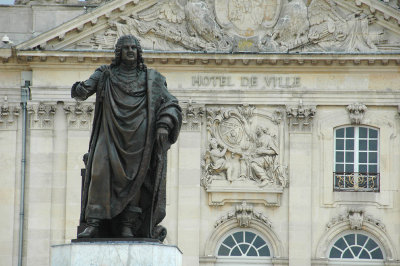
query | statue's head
(128,40)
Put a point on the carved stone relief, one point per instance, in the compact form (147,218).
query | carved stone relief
(244,215)
(41,115)
(192,116)
(356,112)
(9,115)
(79,115)
(300,117)
(243,147)
(355,218)
(253,25)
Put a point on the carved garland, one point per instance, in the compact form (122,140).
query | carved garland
(244,215)
(8,115)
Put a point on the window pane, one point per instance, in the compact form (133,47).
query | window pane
(371,244)
(249,236)
(258,242)
(373,133)
(362,145)
(236,252)
(361,239)
(244,248)
(347,254)
(373,157)
(349,168)
(223,251)
(229,241)
(377,254)
(373,169)
(362,168)
(362,157)
(350,132)
(341,244)
(335,253)
(252,252)
(238,237)
(349,157)
(350,239)
(339,168)
(364,255)
(363,132)
(340,133)
(264,251)
(373,145)
(349,144)
(356,250)
(339,144)
(339,156)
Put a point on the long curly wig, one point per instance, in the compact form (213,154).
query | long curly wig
(118,48)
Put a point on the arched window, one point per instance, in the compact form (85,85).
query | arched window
(356,247)
(356,159)
(244,244)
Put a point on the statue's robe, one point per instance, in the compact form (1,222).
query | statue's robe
(124,160)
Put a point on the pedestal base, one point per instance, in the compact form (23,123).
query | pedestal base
(122,253)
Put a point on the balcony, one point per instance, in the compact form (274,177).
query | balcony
(356,182)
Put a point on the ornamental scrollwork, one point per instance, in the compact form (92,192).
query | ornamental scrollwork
(192,115)
(79,115)
(244,214)
(243,147)
(253,25)
(355,219)
(9,115)
(356,112)
(42,115)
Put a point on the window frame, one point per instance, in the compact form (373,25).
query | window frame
(356,261)
(345,177)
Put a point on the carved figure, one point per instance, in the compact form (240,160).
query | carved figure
(332,31)
(264,161)
(222,162)
(136,120)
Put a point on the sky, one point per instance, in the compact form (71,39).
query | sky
(6,2)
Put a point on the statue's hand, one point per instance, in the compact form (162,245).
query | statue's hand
(162,138)
(73,89)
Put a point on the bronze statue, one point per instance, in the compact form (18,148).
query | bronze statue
(135,122)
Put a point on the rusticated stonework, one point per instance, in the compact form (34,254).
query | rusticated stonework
(41,115)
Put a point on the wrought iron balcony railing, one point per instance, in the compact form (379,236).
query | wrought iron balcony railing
(360,182)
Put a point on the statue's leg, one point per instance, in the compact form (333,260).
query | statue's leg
(130,221)
(92,228)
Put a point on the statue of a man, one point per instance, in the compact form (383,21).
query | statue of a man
(135,122)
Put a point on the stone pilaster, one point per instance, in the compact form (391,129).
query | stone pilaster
(39,181)
(79,118)
(192,115)
(300,194)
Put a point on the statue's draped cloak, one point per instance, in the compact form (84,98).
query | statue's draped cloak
(124,159)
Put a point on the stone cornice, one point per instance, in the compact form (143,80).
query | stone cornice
(241,59)
(78,23)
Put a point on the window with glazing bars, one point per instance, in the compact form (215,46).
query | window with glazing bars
(356,159)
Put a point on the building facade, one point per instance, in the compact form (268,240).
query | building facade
(289,150)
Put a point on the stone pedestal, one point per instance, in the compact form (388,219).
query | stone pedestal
(122,253)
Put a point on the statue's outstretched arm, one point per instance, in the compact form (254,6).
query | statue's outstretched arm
(81,90)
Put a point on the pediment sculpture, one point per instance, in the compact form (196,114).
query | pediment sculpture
(243,148)
(251,25)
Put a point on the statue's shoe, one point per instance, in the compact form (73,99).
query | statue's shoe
(126,232)
(89,232)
